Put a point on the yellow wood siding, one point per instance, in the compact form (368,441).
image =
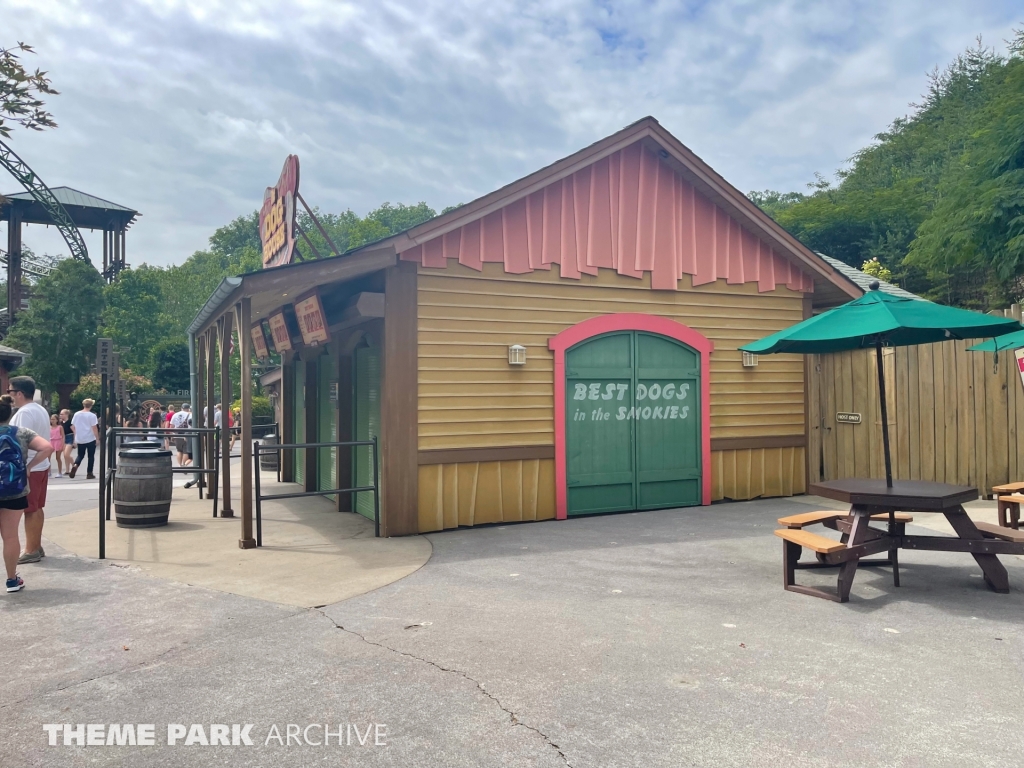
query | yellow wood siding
(469,396)
(474,493)
(753,472)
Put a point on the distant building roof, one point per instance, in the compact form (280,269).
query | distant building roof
(863,280)
(7,353)
(69,196)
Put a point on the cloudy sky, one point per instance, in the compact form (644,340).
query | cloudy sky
(186,110)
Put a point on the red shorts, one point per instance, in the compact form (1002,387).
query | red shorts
(37,489)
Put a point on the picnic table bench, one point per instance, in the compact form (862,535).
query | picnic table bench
(1008,499)
(871,500)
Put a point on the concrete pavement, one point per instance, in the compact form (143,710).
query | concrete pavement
(653,639)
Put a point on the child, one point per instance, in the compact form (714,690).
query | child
(57,441)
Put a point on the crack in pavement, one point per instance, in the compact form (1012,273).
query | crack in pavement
(512,715)
(182,646)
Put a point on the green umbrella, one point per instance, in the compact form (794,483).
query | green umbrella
(1006,341)
(877,320)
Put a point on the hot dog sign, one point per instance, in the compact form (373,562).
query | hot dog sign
(652,401)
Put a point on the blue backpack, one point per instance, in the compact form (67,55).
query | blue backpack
(13,477)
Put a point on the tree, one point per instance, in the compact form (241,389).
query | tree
(20,91)
(937,198)
(170,366)
(874,268)
(89,385)
(58,330)
(132,316)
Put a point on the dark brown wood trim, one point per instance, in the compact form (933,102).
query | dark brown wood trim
(471,455)
(399,430)
(809,461)
(243,320)
(746,443)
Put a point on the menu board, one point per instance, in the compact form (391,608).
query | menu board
(259,342)
(279,332)
(309,311)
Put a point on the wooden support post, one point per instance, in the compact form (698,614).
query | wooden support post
(224,325)
(399,432)
(13,268)
(244,320)
(201,458)
(206,417)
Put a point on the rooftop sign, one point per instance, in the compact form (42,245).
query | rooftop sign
(277,216)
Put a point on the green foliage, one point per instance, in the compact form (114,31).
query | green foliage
(938,198)
(773,203)
(170,366)
(20,90)
(132,316)
(148,309)
(875,268)
(89,385)
(261,407)
(58,331)
(347,231)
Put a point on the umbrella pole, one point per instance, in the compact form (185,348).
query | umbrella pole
(885,414)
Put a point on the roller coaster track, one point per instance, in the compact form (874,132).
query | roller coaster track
(19,169)
(30,265)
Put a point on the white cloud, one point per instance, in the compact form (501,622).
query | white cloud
(185,110)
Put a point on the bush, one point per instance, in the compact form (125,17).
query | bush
(261,407)
(89,386)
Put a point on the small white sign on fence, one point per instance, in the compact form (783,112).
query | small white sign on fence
(1019,354)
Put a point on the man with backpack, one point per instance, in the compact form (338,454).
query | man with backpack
(15,443)
(31,415)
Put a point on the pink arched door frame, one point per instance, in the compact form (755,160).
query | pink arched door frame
(629,321)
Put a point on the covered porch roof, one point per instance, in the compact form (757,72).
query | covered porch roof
(267,289)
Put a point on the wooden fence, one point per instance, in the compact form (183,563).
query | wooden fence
(954,416)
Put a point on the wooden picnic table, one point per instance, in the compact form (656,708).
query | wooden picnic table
(871,497)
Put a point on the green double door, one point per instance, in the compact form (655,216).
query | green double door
(632,424)
(327,423)
(299,421)
(366,422)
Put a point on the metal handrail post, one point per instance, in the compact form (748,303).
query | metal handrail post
(216,476)
(376,492)
(259,502)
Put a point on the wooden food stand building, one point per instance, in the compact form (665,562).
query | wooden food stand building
(565,345)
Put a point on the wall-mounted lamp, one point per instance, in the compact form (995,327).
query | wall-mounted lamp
(517,355)
(749,360)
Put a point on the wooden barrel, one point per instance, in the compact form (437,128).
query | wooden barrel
(142,488)
(268,461)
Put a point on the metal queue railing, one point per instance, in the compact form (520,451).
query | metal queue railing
(259,449)
(108,469)
(108,464)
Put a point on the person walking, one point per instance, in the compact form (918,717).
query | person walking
(32,416)
(69,436)
(168,417)
(183,443)
(57,441)
(85,425)
(156,425)
(15,477)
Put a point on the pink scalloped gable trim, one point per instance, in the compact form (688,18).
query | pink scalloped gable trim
(629,321)
(629,212)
